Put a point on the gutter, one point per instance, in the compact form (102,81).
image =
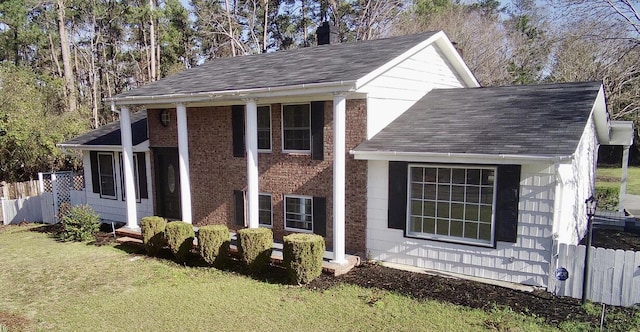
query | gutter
(395,155)
(345,86)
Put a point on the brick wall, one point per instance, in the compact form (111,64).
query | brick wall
(215,173)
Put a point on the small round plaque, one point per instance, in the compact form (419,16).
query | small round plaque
(562,274)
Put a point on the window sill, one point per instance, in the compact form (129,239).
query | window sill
(298,230)
(450,240)
(297,152)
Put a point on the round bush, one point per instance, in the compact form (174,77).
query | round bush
(80,223)
(255,246)
(303,257)
(179,235)
(213,243)
(153,234)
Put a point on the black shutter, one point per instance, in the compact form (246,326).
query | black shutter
(142,175)
(95,175)
(397,213)
(317,130)
(237,125)
(238,202)
(508,196)
(320,216)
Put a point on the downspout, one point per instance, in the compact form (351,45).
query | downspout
(557,215)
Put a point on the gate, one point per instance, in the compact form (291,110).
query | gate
(55,190)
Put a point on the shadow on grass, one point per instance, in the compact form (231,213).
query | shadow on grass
(272,274)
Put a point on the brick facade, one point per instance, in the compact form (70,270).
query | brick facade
(215,173)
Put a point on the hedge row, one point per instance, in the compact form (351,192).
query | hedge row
(302,252)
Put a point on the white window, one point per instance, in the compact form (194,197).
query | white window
(264,128)
(296,128)
(106,175)
(265,210)
(298,213)
(452,203)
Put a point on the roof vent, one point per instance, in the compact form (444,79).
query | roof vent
(327,34)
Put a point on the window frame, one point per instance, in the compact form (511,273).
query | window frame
(270,210)
(294,229)
(282,130)
(270,149)
(113,175)
(449,238)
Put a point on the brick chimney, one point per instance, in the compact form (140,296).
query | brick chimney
(327,34)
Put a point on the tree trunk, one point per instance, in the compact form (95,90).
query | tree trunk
(54,56)
(70,89)
(152,41)
(266,24)
(233,41)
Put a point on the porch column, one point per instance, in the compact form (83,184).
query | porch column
(127,166)
(339,155)
(183,163)
(623,178)
(251,136)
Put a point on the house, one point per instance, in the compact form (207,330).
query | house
(387,148)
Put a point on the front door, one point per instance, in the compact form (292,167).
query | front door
(167,183)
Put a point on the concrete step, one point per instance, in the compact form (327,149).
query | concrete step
(127,232)
(128,240)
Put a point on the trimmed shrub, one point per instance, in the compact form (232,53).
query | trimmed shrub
(255,246)
(179,235)
(80,223)
(608,198)
(303,257)
(213,243)
(153,234)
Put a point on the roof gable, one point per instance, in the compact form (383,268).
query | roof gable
(538,120)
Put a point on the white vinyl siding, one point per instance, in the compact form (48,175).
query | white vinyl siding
(115,209)
(526,261)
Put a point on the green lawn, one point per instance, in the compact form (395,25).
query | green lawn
(610,177)
(47,285)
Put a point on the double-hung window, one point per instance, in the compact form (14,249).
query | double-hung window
(452,203)
(106,175)
(298,213)
(265,210)
(136,179)
(296,128)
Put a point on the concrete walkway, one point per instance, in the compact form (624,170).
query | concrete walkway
(632,204)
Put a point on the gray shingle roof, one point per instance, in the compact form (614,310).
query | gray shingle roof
(318,64)
(537,120)
(109,134)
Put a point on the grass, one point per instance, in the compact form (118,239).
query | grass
(610,177)
(53,286)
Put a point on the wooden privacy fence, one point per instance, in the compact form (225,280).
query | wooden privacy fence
(20,189)
(614,280)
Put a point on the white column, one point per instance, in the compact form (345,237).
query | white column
(183,162)
(127,166)
(251,137)
(623,178)
(339,156)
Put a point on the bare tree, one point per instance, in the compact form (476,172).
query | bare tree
(70,89)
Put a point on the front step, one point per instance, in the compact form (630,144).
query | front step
(128,240)
(129,233)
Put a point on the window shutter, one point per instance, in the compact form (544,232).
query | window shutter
(317,130)
(95,175)
(320,216)
(237,125)
(238,199)
(142,175)
(508,196)
(397,213)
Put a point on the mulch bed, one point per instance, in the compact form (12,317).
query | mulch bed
(539,303)
(614,239)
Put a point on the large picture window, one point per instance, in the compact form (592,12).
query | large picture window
(264,128)
(106,175)
(298,213)
(452,203)
(296,128)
